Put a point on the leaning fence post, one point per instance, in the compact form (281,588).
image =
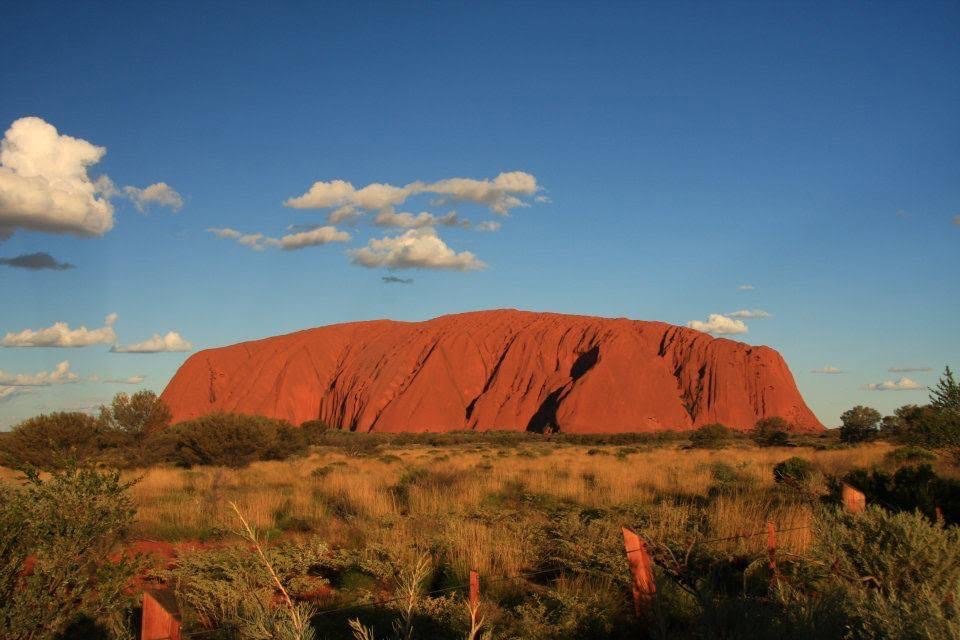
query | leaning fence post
(641,568)
(161,617)
(853,500)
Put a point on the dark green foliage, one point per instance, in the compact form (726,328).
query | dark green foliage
(894,575)
(711,436)
(226,439)
(771,432)
(68,525)
(946,395)
(931,427)
(860,424)
(139,415)
(910,488)
(910,454)
(793,470)
(52,441)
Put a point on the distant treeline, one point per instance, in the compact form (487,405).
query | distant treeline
(135,431)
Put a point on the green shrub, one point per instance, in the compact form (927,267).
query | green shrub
(53,441)
(909,488)
(231,440)
(771,432)
(897,575)
(711,436)
(68,524)
(793,470)
(910,454)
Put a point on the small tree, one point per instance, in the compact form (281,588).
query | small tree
(139,415)
(946,395)
(859,424)
(771,432)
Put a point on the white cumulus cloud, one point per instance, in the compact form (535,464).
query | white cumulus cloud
(750,313)
(414,249)
(290,242)
(160,194)
(170,342)
(719,324)
(827,369)
(499,194)
(903,384)
(60,375)
(44,184)
(61,335)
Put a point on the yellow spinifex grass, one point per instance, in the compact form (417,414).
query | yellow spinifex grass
(354,500)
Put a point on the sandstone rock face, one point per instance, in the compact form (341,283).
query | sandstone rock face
(504,369)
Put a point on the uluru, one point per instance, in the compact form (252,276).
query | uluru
(495,370)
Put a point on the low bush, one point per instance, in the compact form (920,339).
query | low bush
(54,441)
(711,436)
(771,432)
(793,470)
(226,439)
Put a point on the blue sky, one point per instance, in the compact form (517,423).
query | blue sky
(679,151)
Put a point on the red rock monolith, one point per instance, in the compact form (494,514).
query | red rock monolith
(495,370)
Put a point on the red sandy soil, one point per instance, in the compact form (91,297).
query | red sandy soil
(503,369)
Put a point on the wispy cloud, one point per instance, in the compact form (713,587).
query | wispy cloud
(415,249)
(131,380)
(171,342)
(750,314)
(746,287)
(903,384)
(908,369)
(827,369)
(719,324)
(291,242)
(61,335)
(488,225)
(396,280)
(36,262)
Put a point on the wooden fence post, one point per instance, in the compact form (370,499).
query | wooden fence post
(641,568)
(772,552)
(474,590)
(161,617)
(853,501)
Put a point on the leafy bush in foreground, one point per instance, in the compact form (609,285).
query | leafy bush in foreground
(67,526)
(897,575)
